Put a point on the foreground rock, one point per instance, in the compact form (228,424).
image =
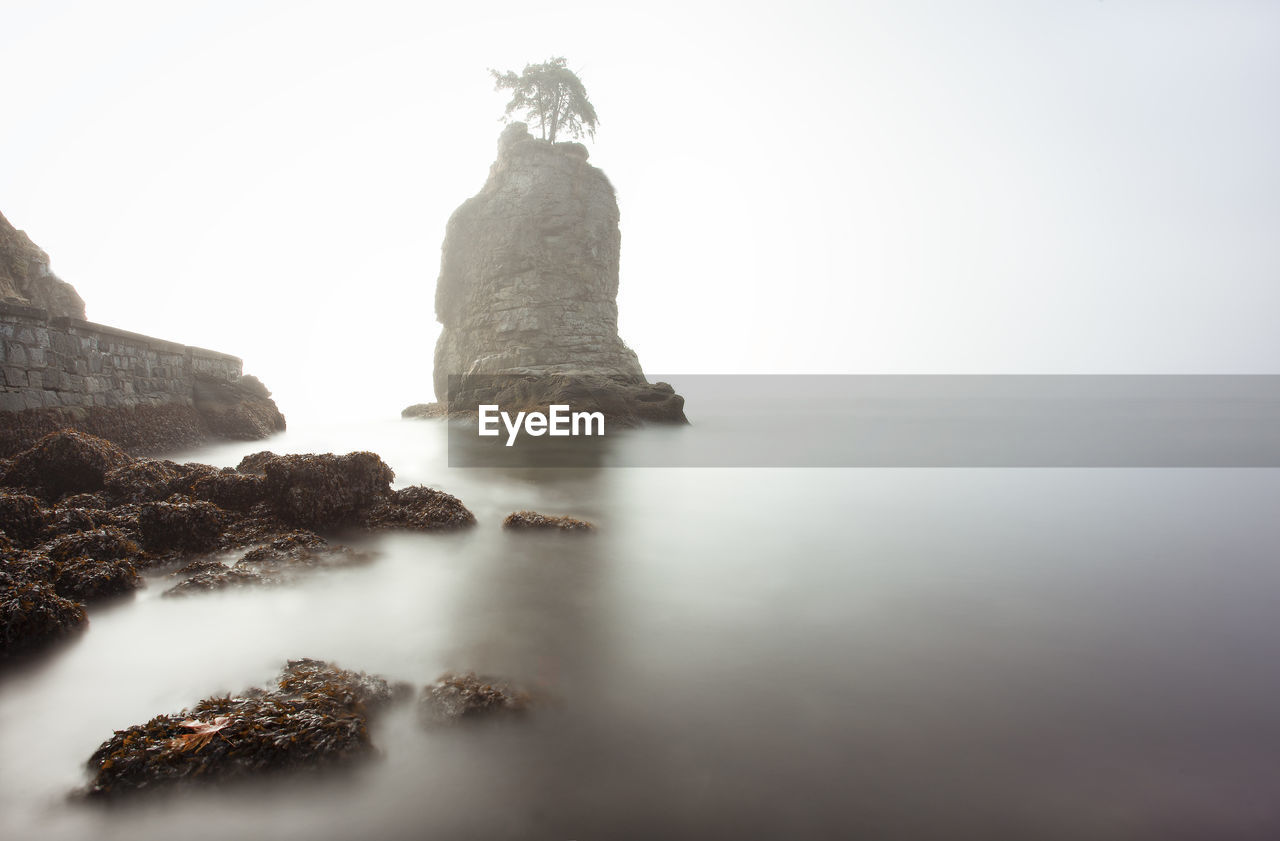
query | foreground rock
(534,520)
(79,518)
(454,698)
(32,614)
(316,716)
(529,283)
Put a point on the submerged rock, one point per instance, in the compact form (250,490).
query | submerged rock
(534,520)
(270,564)
(455,697)
(317,716)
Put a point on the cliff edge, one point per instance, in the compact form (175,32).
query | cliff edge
(59,371)
(25,278)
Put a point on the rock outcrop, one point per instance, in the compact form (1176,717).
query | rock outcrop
(58,371)
(529,282)
(25,277)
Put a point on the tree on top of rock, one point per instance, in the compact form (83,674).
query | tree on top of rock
(552,96)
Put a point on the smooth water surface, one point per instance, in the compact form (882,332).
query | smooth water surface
(753,653)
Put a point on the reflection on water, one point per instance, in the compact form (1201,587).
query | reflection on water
(1047,654)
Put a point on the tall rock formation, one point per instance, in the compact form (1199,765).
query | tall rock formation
(25,277)
(528,288)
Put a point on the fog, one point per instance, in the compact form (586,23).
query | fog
(1017,187)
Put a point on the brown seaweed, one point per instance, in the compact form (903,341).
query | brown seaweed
(534,520)
(316,717)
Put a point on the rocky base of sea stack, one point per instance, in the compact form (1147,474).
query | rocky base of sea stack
(625,401)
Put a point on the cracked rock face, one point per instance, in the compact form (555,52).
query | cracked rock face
(529,273)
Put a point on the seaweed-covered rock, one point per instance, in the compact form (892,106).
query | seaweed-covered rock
(33,615)
(316,717)
(210,579)
(103,544)
(87,501)
(21,517)
(32,566)
(297,545)
(231,491)
(67,521)
(90,579)
(456,697)
(275,562)
(201,565)
(181,524)
(65,462)
(421,508)
(255,462)
(323,491)
(534,520)
(145,480)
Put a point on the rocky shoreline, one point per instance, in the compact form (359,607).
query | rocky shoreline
(80,519)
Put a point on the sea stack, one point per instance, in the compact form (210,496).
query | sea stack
(528,292)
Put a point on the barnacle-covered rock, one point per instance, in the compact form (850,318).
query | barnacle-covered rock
(534,520)
(324,491)
(179,523)
(456,697)
(89,579)
(32,614)
(420,508)
(231,491)
(65,462)
(316,717)
(21,517)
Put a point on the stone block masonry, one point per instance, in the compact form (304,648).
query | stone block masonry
(145,393)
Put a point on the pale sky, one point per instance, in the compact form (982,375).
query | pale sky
(884,187)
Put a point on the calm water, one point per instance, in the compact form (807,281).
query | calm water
(753,653)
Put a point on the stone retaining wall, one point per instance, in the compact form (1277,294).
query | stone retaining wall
(64,362)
